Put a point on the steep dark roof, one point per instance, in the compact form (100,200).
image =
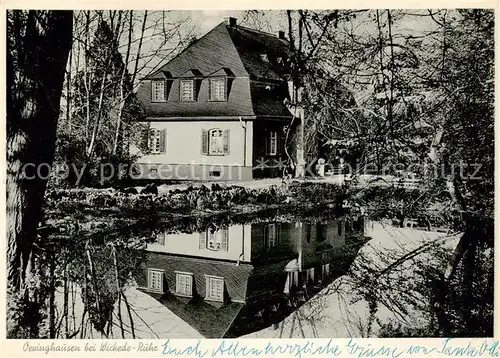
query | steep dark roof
(268,99)
(224,71)
(251,44)
(195,55)
(193,72)
(211,320)
(225,39)
(244,54)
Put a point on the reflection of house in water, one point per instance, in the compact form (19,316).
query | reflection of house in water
(245,277)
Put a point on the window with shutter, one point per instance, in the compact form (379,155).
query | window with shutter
(157,141)
(215,141)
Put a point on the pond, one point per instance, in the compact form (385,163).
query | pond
(234,280)
(268,275)
(219,276)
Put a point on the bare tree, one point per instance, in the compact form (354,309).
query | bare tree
(38,44)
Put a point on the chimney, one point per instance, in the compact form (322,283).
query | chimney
(230,21)
(281,35)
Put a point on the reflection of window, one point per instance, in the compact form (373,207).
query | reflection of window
(155,280)
(214,240)
(215,288)
(321,232)
(217,89)
(271,235)
(326,270)
(158,91)
(184,284)
(187,90)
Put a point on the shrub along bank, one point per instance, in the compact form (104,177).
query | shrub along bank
(101,205)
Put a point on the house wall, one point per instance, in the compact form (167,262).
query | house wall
(239,241)
(261,271)
(284,250)
(319,239)
(183,158)
(266,165)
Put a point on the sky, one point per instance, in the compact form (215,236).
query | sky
(196,23)
(206,20)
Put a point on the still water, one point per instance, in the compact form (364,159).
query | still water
(233,280)
(272,275)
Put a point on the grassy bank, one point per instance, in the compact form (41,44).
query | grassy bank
(109,208)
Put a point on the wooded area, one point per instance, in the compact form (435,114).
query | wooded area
(385,87)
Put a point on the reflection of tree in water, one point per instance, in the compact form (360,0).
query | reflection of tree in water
(410,290)
(398,291)
(464,302)
(96,269)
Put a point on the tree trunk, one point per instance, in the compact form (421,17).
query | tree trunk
(118,134)
(86,77)
(38,44)
(95,130)
(52,298)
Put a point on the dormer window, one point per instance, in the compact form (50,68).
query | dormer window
(220,82)
(189,85)
(158,91)
(187,90)
(217,89)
